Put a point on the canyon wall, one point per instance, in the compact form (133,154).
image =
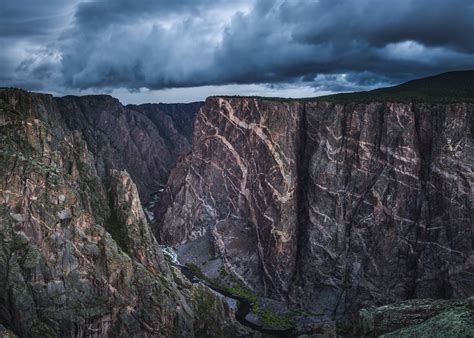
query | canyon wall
(77,257)
(331,206)
(324,205)
(239,188)
(146,140)
(387,204)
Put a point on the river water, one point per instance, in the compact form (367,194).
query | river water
(244,306)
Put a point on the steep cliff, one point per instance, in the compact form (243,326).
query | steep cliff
(387,211)
(315,208)
(243,202)
(77,257)
(145,140)
(336,203)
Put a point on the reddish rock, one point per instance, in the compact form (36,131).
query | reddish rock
(334,206)
(76,258)
(239,188)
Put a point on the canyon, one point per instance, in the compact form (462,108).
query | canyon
(77,256)
(348,215)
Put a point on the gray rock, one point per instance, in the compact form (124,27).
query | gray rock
(330,207)
(74,278)
(64,214)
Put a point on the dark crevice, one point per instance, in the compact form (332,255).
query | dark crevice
(301,200)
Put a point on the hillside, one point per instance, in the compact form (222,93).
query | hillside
(443,88)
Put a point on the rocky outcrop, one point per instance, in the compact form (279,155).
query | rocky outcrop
(333,206)
(76,258)
(128,224)
(171,118)
(320,207)
(419,318)
(239,188)
(145,140)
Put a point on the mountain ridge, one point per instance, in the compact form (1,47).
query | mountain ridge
(431,89)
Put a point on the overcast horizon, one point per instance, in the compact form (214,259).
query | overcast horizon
(184,51)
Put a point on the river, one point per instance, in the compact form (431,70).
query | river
(244,306)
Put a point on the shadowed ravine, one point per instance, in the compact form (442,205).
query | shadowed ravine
(244,306)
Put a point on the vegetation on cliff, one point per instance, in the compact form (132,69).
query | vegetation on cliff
(444,88)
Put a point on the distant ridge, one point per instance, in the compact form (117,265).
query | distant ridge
(448,87)
(456,86)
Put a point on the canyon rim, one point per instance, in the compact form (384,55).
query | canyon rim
(252,168)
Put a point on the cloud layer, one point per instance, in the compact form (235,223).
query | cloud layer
(329,45)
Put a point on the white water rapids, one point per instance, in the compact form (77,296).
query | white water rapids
(148,209)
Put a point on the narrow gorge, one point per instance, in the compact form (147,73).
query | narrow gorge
(346,215)
(331,205)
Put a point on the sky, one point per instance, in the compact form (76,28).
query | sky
(184,50)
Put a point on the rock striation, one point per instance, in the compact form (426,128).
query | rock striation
(239,188)
(77,257)
(316,208)
(387,208)
(330,205)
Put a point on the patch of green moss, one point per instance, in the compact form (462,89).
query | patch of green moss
(241,291)
(216,282)
(222,272)
(454,322)
(274,320)
(269,318)
(196,271)
(204,303)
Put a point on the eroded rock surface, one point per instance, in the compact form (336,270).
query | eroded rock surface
(78,259)
(239,188)
(331,206)
(145,140)
(419,318)
(322,207)
(387,204)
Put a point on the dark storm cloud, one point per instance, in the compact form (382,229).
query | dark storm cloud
(100,13)
(380,41)
(27,29)
(331,45)
(376,23)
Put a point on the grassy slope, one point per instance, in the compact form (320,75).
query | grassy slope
(443,88)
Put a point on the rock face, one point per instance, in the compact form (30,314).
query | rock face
(332,206)
(387,204)
(169,117)
(325,206)
(76,258)
(239,188)
(145,140)
(129,226)
(419,318)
